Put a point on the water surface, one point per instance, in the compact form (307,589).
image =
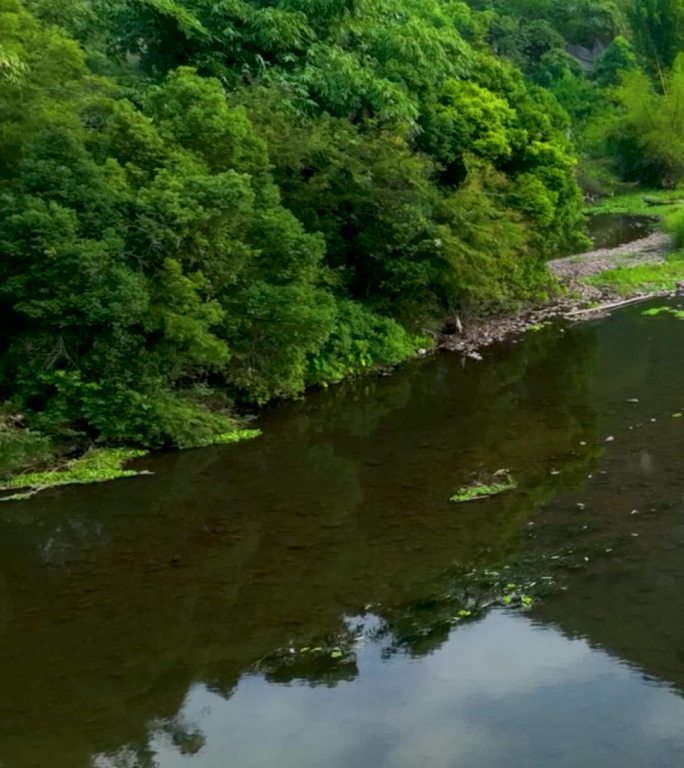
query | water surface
(150,622)
(608,230)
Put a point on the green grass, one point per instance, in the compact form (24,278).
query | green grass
(648,277)
(96,466)
(633,203)
(482,490)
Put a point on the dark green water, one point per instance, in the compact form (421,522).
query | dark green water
(608,230)
(148,622)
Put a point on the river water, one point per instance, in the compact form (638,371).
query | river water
(162,620)
(608,230)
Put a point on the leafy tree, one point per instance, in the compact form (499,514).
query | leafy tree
(12,69)
(618,58)
(658,30)
(647,137)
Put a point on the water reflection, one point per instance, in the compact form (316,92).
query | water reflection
(141,622)
(508,694)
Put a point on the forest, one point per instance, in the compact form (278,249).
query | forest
(210,204)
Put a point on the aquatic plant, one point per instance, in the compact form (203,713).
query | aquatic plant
(655,311)
(500,482)
(236,436)
(96,466)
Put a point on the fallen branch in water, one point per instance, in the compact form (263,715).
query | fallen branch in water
(606,307)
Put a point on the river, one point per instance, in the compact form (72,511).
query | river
(174,620)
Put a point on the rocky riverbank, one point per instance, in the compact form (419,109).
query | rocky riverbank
(579,299)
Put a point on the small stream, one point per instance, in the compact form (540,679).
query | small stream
(291,602)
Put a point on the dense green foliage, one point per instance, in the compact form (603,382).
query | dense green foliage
(208,204)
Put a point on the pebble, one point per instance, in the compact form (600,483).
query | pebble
(610,439)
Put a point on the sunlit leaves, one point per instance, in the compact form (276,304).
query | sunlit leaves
(649,134)
(12,68)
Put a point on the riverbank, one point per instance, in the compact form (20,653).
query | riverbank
(589,284)
(32,464)
(642,202)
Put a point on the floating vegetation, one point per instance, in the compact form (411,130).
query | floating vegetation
(463,595)
(536,327)
(458,596)
(654,311)
(236,436)
(96,466)
(325,660)
(513,597)
(499,482)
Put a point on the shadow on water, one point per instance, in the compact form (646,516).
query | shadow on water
(132,614)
